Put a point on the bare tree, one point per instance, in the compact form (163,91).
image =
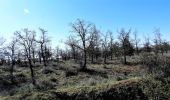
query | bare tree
(125,42)
(48,53)
(43,42)
(27,41)
(57,53)
(82,29)
(111,44)
(34,51)
(93,42)
(147,45)
(2,41)
(12,48)
(19,55)
(136,42)
(158,41)
(166,46)
(116,49)
(72,43)
(105,47)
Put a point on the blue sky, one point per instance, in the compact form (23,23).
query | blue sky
(55,16)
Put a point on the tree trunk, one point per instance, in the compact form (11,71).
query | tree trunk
(74,56)
(162,52)
(85,60)
(39,56)
(96,57)
(43,56)
(73,53)
(137,51)
(125,62)
(105,59)
(44,61)
(12,70)
(166,51)
(40,60)
(9,60)
(33,55)
(92,58)
(12,66)
(32,72)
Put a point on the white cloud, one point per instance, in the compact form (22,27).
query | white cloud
(26,11)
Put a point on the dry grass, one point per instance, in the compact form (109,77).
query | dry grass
(66,77)
(98,87)
(126,69)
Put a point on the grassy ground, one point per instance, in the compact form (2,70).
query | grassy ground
(65,79)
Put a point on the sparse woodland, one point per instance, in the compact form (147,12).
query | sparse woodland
(92,66)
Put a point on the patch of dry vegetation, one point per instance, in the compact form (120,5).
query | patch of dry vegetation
(65,78)
(126,69)
(100,86)
(76,92)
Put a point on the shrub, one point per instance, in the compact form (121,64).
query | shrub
(71,73)
(47,70)
(25,88)
(19,78)
(156,63)
(91,82)
(45,85)
(119,78)
(54,80)
(156,89)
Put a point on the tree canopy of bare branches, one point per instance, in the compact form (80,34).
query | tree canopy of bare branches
(43,45)
(27,41)
(12,49)
(82,29)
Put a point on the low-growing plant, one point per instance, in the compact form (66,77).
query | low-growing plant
(45,85)
(156,89)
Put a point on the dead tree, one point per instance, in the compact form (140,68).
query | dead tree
(19,54)
(34,51)
(147,45)
(93,42)
(72,43)
(48,53)
(12,49)
(57,53)
(105,47)
(158,42)
(136,42)
(2,41)
(111,45)
(27,41)
(82,29)
(43,42)
(166,46)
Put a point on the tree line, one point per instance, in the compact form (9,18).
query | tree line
(87,44)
